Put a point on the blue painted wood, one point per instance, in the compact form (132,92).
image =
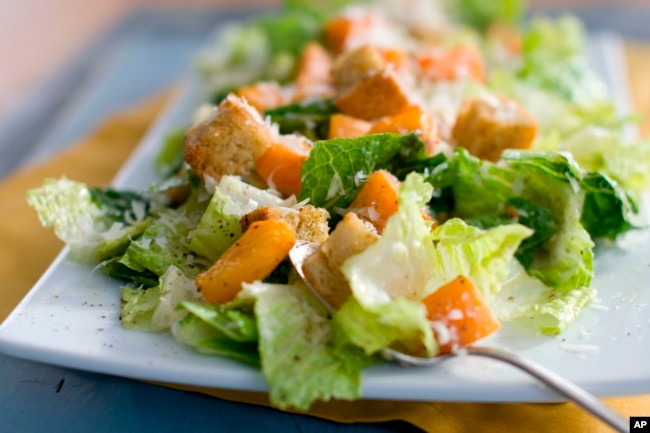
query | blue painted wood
(39,398)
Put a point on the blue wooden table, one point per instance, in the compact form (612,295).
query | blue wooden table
(142,56)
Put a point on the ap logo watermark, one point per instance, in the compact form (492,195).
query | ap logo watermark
(640,424)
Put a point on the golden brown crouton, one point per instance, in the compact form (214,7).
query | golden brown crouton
(486,128)
(323,268)
(260,214)
(353,66)
(310,222)
(228,142)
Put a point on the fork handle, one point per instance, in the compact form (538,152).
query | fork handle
(558,383)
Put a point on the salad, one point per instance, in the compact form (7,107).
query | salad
(455,167)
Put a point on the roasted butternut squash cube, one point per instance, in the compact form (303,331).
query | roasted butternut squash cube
(381,94)
(314,76)
(263,95)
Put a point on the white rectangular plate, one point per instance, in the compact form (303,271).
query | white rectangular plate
(71,318)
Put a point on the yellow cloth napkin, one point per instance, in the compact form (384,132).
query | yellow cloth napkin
(27,249)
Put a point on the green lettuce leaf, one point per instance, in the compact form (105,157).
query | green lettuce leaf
(336,168)
(217,230)
(300,361)
(399,264)
(527,301)
(170,157)
(154,309)
(482,256)
(482,14)
(94,229)
(551,42)
(400,324)
(310,119)
(165,243)
(219,330)
(545,183)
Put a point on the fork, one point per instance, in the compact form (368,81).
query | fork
(564,387)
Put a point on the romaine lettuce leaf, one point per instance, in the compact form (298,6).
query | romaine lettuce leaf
(400,324)
(554,184)
(154,309)
(300,361)
(94,230)
(481,14)
(165,243)
(410,261)
(400,263)
(482,256)
(310,119)
(551,42)
(601,149)
(336,168)
(218,330)
(217,230)
(525,300)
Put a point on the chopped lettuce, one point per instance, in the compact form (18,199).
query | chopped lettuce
(218,330)
(241,197)
(481,14)
(482,256)
(217,230)
(154,309)
(551,42)
(525,300)
(311,119)
(410,261)
(170,157)
(400,324)
(165,243)
(299,360)
(603,149)
(94,230)
(336,168)
(550,183)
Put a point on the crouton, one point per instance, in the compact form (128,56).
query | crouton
(353,66)
(323,268)
(486,128)
(309,223)
(228,142)
(381,94)
(260,214)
